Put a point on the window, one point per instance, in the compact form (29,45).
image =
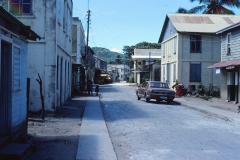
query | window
(195,43)
(195,72)
(163,49)
(228,43)
(175,45)
(21,7)
(174,72)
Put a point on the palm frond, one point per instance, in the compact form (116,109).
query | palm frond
(231,3)
(182,10)
(197,9)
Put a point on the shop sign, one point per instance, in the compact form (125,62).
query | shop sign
(218,71)
(230,67)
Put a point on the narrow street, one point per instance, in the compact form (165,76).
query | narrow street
(141,130)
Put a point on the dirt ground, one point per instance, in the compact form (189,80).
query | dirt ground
(57,137)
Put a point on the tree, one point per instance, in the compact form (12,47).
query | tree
(215,6)
(118,60)
(182,10)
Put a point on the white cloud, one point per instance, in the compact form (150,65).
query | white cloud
(116,50)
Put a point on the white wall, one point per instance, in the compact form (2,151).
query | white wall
(45,55)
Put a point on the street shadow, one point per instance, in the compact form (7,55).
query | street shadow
(53,147)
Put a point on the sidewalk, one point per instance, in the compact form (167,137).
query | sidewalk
(94,142)
(215,107)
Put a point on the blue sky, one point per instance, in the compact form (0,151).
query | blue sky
(118,23)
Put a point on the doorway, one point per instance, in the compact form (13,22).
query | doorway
(232,86)
(6,88)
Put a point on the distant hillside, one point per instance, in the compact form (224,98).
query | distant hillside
(106,54)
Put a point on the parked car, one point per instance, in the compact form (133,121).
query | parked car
(155,90)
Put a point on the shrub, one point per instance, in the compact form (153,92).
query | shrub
(200,89)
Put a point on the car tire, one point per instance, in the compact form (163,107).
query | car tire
(147,99)
(158,100)
(138,96)
(168,102)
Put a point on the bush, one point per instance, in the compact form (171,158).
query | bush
(200,89)
(211,90)
(131,77)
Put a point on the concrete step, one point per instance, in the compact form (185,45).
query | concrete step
(4,140)
(15,151)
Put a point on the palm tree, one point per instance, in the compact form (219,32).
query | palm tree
(215,6)
(182,10)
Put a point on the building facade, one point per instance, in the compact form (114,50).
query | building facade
(119,72)
(146,65)
(78,52)
(229,67)
(190,45)
(13,77)
(49,57)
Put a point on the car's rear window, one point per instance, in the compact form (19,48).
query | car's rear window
(158,85)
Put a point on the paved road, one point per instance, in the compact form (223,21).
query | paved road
(141,130)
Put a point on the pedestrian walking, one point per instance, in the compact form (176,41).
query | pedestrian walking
(89,87)
(97,89)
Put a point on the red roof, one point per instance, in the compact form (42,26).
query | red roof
(225,64)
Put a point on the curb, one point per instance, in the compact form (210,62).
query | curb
(232,117)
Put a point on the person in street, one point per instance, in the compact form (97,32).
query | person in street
(96,89)
(89,87)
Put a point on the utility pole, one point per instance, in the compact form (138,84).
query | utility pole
(149,65)
(86,49)
(86,53)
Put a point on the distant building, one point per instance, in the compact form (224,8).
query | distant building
(119,71)
(78,55)
(146,64)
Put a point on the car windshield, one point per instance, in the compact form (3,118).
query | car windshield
(158,85)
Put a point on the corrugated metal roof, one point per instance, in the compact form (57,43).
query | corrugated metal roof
(225,64)
(229,28)
(202,23)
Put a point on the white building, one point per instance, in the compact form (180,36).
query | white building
(146,64)
(51,56)
(78,52)
(119,71)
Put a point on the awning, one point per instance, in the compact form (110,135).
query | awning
(225,64)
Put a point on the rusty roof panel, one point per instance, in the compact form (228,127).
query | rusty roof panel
(202,23)
(228,20)
(208,20)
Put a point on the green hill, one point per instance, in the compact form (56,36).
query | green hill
(107,55)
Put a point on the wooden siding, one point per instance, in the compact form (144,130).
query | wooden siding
(170,31)
(235,47)
(16,97)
